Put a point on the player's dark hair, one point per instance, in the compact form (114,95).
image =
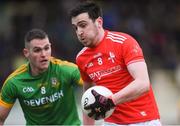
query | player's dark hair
(35,34)
(94,11)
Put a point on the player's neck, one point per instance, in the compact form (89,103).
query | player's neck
(100,36)
(35,71)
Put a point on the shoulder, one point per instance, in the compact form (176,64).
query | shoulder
(15,75)
(64,68)
(18,72)
(60,62)
(119,37)
(81,52)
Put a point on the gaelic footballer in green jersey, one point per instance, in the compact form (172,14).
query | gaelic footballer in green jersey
(44,86)
(47,98)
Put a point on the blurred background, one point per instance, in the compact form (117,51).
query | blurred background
(155,24)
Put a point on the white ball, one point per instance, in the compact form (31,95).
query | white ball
(88,98)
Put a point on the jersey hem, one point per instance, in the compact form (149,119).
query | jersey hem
(134,61)
(135,121)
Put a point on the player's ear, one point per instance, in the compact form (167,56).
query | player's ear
(99,22)
(26,52)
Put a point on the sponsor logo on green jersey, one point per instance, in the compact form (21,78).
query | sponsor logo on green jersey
(44,100)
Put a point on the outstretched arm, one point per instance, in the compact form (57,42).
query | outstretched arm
(3,114)
(140,85)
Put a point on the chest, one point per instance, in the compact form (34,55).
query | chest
(42,91)
(34,88)
(105,61)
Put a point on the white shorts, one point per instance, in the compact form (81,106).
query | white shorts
(147,123)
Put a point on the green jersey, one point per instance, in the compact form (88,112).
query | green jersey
(47,98)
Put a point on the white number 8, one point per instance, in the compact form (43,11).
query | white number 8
(100,61)
(43,90)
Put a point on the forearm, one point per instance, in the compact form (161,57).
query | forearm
(3,114)
(135,89)
(87,120)
(1,121)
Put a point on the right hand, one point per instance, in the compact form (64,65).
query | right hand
(101,105)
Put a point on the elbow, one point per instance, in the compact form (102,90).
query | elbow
(146,86)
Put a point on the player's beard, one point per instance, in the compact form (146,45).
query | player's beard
(90,38)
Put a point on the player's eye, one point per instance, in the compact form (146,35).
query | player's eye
(46,48)
(37,50)
(83,25)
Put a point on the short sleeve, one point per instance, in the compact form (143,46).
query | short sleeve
(8,94)
(84,76)
(132,51)
(77,77)
(80,65)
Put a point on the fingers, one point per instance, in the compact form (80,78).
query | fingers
(98,108)
(103,115)
(103,100)
(88,107)
(97,113)
(90,114)
(97,116)
(95,93)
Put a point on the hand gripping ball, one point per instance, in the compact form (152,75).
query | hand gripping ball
(88,98)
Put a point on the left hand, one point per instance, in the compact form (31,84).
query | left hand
(100,106)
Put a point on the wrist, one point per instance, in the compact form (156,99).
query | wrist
(112,98)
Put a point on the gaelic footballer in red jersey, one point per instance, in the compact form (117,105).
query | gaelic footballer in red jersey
(114,60)
(106,65)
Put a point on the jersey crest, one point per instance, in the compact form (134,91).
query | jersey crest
(54,82)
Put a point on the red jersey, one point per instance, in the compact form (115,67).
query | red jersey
(106,65)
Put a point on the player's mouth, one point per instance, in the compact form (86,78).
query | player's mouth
(45,61)
(82,39)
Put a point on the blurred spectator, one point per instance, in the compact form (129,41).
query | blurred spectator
(155,24)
